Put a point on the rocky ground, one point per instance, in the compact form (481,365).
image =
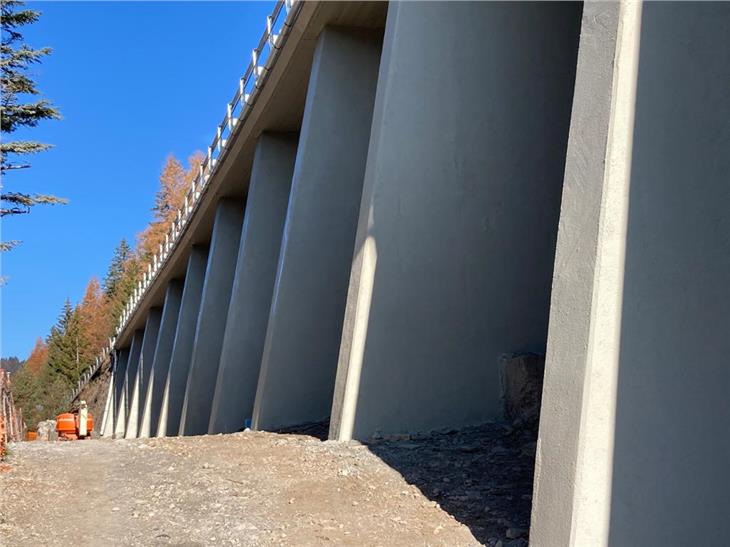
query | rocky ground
(465,487)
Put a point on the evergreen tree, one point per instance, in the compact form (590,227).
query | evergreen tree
(66,345)
(122,254)
(123,273)
(16,58)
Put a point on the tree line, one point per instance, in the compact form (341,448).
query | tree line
(57,361)
(42,383)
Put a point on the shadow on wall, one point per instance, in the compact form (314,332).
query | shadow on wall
(458,223)
(672,445)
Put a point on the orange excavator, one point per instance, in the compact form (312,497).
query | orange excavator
(77,425)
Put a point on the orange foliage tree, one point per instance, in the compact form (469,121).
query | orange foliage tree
(95,319)
(38,358)
(174,184)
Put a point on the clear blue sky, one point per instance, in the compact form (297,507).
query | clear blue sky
(135,81)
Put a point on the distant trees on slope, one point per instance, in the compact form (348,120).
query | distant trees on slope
(41,386)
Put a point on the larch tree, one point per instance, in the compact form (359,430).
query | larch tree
(94,320)
(19,106)
(175,181)
(38,357)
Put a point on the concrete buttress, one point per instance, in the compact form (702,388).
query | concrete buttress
(253,285)
(177,376)
(212,317)
(303,336)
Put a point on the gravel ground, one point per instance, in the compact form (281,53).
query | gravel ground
(466,487)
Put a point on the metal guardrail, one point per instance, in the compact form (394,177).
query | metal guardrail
(89,373)
(263,58)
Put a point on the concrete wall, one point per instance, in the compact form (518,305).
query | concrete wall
(161,360)
(212,317)
(131,383)
(634,442)
(173,395)
(120,373)
(302,341)
(258,255)
(147,357)
(457,229)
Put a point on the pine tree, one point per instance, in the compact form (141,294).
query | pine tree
(16,58)
(123,274)
(66,345)
(122,254)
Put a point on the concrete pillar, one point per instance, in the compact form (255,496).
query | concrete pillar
(107,422)
(633,444)
(456,237)
(120,373)
(161,360)
(258,255)
(303,336)
(147,353)
(131,383)
(212,317)
(182,349)
(173,395)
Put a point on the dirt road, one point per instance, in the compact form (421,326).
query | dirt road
(258,489)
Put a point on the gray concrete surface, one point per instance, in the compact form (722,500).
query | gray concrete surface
(146,358)
(211,325)
(131,383)
(177,376)
(302,341)
(456,237)
(253,285)
(120,373)
(633,445)
(161,360)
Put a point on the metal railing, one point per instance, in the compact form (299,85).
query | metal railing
(263,58)
(91,370)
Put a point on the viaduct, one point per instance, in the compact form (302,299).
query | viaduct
(399,194)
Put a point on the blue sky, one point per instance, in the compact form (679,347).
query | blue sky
(135,81)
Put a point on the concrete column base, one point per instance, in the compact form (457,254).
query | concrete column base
(173,394)
(459,215)
(131,386)
(120,372)
(147,356)
(243,343)
(633,446)
(161,360)
(212,318)
(303,335)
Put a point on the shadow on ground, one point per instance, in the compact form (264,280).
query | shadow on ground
(482,476)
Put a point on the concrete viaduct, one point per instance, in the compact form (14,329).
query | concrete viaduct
(399,194)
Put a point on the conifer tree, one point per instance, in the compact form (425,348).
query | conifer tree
(123,273)
(19,106)
(66,345)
